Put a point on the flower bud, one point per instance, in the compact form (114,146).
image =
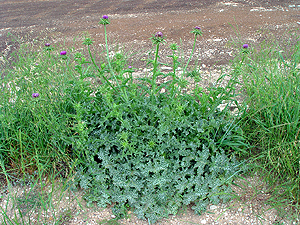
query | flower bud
(104,20)
(159,34)
(35,95)
(197,31)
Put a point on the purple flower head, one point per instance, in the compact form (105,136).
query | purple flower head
(245,45)
(129,67)
(63,53)
(197,31)
(47,44)
(104,20)
(158,38)
(35,95)
(36,64)
(159,34)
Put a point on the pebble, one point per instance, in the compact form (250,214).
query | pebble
(203,221)
(213,207)
(166,68)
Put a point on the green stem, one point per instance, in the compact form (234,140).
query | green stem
(99,70)
(190,55)
(109,65)
(93,61)
(155,61)
(154,76)
(174,74)
(174,62)
(107,51)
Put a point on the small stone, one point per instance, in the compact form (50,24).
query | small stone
(166,68)
(213,207)
(113,216)
(203,222)
(146,70)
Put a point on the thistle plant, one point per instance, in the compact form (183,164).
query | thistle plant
(35,95)
(105,21)
(169,137)
(196,31)
(63,55)
(88,42)
(157,39)
(48,47)
(175,63)
(245,48)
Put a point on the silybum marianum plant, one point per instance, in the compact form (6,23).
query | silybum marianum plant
(155,151)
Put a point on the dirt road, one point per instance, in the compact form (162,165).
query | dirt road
(134,21)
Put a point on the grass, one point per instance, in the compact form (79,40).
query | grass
(270,79)
(43,139)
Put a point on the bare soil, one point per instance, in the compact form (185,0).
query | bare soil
(54,203)
(134,21)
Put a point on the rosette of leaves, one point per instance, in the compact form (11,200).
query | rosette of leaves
(155,157)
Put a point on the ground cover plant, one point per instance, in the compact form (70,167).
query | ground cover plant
(134,142)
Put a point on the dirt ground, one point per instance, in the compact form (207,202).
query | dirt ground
(132,24)
(134,21)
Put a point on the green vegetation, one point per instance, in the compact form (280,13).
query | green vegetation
(271,82)
(142,145)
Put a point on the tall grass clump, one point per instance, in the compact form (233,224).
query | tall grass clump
(270,77)
(38,92)
(42,89)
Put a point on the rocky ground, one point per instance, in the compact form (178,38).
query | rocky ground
(133,22)
(250,205)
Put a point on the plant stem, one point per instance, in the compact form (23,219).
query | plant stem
(155,62)
(174,74)
(107,51)
(154,76)
(190,55)
(109,65)
(99,70)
